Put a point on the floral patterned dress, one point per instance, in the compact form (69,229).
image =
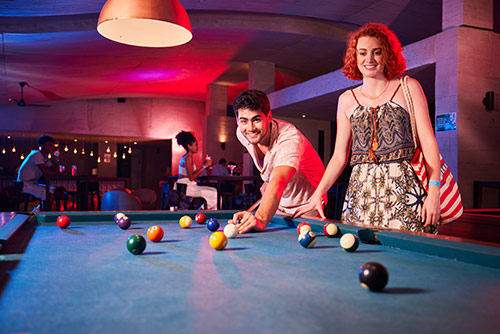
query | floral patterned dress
(383,189)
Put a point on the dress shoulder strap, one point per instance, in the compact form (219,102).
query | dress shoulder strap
(397,88)
(352,91)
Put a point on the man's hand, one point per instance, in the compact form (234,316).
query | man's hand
(246,221)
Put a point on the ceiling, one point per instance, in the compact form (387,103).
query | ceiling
(53,45)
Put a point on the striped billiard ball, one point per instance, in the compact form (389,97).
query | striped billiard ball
(349,242)
(303,227)
(307,239)
(185,222)
(331,230)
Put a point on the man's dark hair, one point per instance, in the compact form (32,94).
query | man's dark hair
(252,99)
(222,161)
(44,139)
(185,138)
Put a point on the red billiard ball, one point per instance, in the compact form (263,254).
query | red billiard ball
(373,276)
(200,218)
(63,221)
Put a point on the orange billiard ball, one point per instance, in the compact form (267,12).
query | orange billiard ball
(155,233)
(63,221)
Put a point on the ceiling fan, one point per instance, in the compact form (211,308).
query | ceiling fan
(21,102)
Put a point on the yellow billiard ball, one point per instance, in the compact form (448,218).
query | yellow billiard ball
(218,240)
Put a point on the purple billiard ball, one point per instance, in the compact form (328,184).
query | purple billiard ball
(124,222)
(213,224)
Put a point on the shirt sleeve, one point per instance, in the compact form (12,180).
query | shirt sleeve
(38,159)
(290,148)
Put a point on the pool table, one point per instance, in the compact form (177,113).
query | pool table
(84,280)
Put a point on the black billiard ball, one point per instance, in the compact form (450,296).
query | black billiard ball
(373,276)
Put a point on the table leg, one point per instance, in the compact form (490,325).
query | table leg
(218,194)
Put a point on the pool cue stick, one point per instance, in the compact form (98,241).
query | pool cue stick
(254,205)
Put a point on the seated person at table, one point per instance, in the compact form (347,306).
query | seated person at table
(188,171)
(220,169)
(36,165)
(288,164)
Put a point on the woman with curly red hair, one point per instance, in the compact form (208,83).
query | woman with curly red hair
(373,120)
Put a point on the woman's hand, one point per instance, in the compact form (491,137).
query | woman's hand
(207,162)
(316,203)
(431,209)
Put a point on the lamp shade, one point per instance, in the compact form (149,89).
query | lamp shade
(151,23)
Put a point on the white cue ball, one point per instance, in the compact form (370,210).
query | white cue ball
(231,231)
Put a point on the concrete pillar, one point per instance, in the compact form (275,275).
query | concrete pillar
(472,13)
(466,68)
(261,76)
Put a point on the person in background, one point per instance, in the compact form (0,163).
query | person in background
(289,165)
(39,163)
(188,172)
(220,169)
(383,189)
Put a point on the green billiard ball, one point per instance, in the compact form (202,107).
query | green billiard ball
(349,242)
(136,244)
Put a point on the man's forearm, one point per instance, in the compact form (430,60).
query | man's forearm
(270,202)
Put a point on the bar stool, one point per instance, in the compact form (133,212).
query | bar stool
(74,200)
(94,193)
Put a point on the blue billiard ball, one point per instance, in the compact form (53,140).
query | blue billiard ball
(213,224)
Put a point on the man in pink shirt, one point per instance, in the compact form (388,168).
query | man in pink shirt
(288,164)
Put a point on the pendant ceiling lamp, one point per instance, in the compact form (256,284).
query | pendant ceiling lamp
(149,23)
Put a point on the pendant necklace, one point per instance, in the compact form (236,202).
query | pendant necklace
(374,97)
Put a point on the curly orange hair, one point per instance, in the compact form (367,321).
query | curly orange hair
(394,62)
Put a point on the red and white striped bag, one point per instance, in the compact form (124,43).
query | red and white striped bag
(450,199)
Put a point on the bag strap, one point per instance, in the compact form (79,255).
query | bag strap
(409,104)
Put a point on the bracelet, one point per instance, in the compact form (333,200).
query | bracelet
(204,167)
(436,183)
